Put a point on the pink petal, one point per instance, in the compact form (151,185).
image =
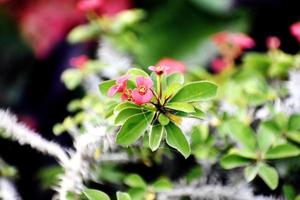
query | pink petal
(140,81)
(148,83)
(242,40)
(122,79)
(112,90)
(124,97)
(147,97)
(152,68)
(137,98)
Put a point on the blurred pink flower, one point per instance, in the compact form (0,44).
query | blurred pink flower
(104,7)
(142,94)
(241,40)
(295,30)
(172,65)
(79,61)
(119,87)
(113,7)
(44,23)
(273,42)
(218,65)
(89,5)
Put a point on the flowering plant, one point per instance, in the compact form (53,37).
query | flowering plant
(156,104)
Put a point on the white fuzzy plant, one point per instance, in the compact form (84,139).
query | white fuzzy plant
(77,162)
(8,190)
(201,190)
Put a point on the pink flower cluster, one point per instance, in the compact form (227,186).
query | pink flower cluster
(231,46)
(142,94)
(240,40)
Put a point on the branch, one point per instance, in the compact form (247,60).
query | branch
(24,136)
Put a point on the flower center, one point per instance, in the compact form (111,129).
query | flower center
(142,90)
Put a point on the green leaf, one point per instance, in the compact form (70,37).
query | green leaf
(92,194)
(197,114)
(265,137)
(250,172)
(294,122)
(245,153)
(171,90)
(155,137)
(135,181)
(137,193)
(269,175)
(163,119)
(162,184)
(175,78)
(195,91)
(258,61)
(125,105)
(289,192)
(125,114)
(133,128)
(134,72)
(294,136)
(243,134)
(282,151)
(176,139)
(194,174)
(231,161)
(123,196)
(105,85)
(181,106)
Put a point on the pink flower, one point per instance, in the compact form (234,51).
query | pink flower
(142,94)
(120,86)
(295,30)
(44,24)
(159,70)
(171,65)
(89,5)
(243,41)
(240,40)
(273,42)
(220,38)
(79,61)
(127,95)
(218,65)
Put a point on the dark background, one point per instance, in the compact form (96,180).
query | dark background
(32,88)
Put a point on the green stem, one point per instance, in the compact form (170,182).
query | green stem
(159,86)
